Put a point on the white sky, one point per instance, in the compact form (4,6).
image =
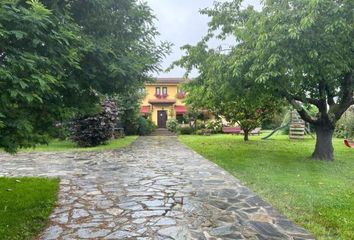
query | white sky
(180,23)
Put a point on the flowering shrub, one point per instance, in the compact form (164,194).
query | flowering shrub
(181,95)
(215,126)
(172,125)
(161,95)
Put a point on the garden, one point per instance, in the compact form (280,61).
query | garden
(71,74)
(68,77)
(316,195)
(285,58)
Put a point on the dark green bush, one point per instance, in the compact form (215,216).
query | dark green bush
(145,126)
(185,130)
(90,131)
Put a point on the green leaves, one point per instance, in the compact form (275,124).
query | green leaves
(57,59)
(32,60)
(18,34)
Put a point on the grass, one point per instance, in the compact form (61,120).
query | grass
(317,195)
(59,146)
(25,205)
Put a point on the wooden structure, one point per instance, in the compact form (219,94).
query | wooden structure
(297,126)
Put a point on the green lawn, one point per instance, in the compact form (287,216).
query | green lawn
(317,195)
(57,146)
(25,204)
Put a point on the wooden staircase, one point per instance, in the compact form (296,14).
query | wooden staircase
(297,126)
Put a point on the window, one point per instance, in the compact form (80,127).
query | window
(164,91)
(181,119)
(179,90)
(158,91)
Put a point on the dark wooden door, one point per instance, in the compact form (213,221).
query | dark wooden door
(161,119)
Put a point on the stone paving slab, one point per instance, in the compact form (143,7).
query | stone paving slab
(154,189)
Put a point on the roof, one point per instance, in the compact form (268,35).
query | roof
(169,80)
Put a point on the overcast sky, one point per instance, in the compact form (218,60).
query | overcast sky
(180,23)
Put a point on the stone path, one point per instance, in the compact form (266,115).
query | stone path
(154,189)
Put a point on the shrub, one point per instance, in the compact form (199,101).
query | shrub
(172,125)
(345,126)
(129,111)
(185,130)
(182,119)
(203,132)
(215,126)
(145,126)
(60,131)
(199,124)
(90,131)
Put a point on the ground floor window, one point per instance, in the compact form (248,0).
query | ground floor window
(180,118)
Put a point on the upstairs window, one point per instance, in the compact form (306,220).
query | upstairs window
(158,91)
(164,91)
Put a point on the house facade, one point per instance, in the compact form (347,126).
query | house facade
(163,100)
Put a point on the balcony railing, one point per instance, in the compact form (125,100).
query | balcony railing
(161,96)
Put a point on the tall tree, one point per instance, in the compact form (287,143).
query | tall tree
(225,89)
(57,58)
(36,55)
(302,51)
(121,50)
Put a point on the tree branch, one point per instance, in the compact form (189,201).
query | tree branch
(306,100)
(347,98)
(323,99)
(306,117)
(303,114)
(330,96)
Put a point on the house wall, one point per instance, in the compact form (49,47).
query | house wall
(150,90)
(156,108)
(171,92)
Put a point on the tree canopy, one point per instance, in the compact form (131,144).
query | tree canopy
(58,57)
(239,100)
(302,51)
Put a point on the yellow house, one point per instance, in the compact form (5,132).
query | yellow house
(163,100)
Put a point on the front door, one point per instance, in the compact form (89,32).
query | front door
(161,119)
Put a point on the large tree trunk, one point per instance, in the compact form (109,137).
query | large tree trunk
(245,135)
(324,147)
